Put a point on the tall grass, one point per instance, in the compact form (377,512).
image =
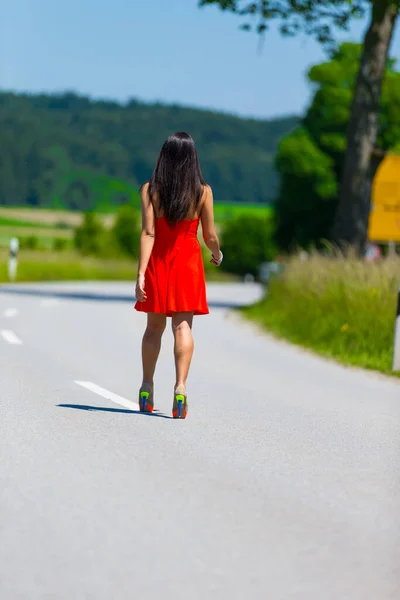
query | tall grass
(341,308)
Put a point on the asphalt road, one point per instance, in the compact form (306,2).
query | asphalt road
(283,482)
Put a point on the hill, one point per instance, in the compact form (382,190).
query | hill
(68,151)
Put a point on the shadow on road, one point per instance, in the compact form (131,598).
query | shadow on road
(124,411)
(95,296)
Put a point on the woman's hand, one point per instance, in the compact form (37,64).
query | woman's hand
(217,261)
(141,295)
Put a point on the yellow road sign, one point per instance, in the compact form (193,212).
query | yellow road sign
(384,220)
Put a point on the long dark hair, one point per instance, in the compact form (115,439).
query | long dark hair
(177,181)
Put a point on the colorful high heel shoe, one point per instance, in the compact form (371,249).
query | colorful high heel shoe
(146,401)
(180,406)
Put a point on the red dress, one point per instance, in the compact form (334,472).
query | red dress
(174,279)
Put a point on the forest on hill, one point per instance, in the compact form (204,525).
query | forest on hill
(68,151)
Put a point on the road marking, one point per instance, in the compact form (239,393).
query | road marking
(108,395)
(49,302)
(11,312)
(10,336)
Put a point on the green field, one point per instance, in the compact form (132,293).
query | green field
(45,228)
(229,210)
(66,266)
(44,224)
(47,265)
(10,222)
(48,225)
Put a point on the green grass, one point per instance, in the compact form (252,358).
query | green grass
(47,265)
(11,216)
(227,210)
(5,222)
(343,309)
(48,225)
(66,266)
(47,217)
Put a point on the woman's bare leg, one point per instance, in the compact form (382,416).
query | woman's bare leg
(151,345)
(183,347)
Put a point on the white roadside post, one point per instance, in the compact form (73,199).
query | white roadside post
(248,278)
(264,272)
(396,350)
(13,259)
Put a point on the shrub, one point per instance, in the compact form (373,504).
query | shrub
(90,236)
(59,244)
(247,241)
(126,230)
(31,242)
(63,225)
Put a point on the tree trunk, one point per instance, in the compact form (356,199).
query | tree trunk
(352,216)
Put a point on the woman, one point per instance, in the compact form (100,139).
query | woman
(170,280)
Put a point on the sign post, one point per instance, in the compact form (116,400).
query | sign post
(13,259)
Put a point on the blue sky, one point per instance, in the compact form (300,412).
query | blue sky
(166,50)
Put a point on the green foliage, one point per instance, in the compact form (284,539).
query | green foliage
(30,242)
(90,236)
(306,203)
(224,211)
(60,244)
(66,151)
(247,242)
(341,308)
(127,230)
(310,159)
(316,18)
(327,117)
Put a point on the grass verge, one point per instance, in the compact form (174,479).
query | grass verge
(343,309)
(35,266)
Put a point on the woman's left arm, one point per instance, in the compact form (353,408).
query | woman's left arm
(146,242)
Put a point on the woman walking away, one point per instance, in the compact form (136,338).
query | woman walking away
(171,280)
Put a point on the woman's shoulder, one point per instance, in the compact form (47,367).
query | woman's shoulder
(207,192)
(144,188)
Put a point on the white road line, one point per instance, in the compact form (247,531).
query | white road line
(10,336)
(108,395)
(10,312)
(49,302)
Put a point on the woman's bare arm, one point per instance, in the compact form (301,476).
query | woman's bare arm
(208,225)
(146,241)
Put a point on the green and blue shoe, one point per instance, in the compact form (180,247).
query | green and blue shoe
(146,401)
(180,406)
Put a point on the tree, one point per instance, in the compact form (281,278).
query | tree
(320,18)
(71,151)
(90,236)
(127,229)
(310,159)
(307,197)
(247,242)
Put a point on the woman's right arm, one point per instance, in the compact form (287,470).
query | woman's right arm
(208,226)
(146,242)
